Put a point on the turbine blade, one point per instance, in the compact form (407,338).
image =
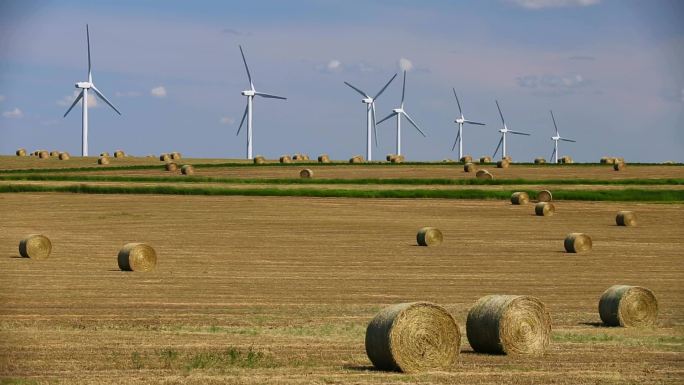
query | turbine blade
(265,95)
(385,87)
(554,121)
(497,147)
(568,140)
(249,76)
(457,102)
(387,117)
(414,123)
(403,90)
(79,97)
(456,141)
(104,99)
(90,76)
(243,119)
(365,95)
(553,153)
(476,123)
(519,133)
(375,129)
(500,114)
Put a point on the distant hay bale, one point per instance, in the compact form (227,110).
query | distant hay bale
(669,162)
(259,159)
(508,158)
(54,153)
(397,159)
(306,173)
(618,166)
(607,160)
(389,157)
(64,156)
(509,324)
(577,243)
(356,159)
(413,337)
(484,174)
(119,154)
(520,198)
(35,246)
(486,159)
(466,159)
(43,155)
(176,155)
(137,257)
(628,306)
(447,160)
(323,158)
(503,163)
(544,209)
(285,159)
(469,167)
(104,154)
(164,157)
(187,169)
(539,160)
(565,160)
(21,152)
(306,156)
(429,236)
(544,196)
(171,166)
(626,218)
(103,160)
(297,156)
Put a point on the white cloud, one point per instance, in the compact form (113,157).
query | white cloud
(540,4)
(551,81)
(227,120)
(13,114)
(2,98)
(158,92)
(405,64)
(334,65)
(68,99)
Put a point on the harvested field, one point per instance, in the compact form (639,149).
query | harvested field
(243,296)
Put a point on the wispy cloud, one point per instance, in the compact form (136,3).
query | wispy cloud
(540,4)
(552,85)
(68,99)
(331,66)
(13,113)
(158,92)
(405,64)
(227,120)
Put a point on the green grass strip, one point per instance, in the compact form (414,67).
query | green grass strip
(338,181)
(583,195)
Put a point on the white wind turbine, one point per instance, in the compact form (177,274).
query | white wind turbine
(370,112)
(556,138)
(461,121)
(503,132)
(399,112)
(85,86)
(248,109)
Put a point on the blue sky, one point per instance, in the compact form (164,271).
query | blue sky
(612,71)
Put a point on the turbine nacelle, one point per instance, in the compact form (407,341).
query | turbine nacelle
(555,138)
(367,100)
(398,110)
(460,120)
(248,93)
(84,85)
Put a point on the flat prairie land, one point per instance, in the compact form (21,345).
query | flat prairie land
(279,290)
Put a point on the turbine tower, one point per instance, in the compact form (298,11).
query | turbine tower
(556,138)
(503,132)
(250,93)
(461,121)
(85,86)
(399,112)
(370,114)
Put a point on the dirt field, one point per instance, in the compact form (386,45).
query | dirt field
(280,290)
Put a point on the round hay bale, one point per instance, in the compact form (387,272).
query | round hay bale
(486,159)
(119,154)
(565,160)
(43,155)
(21,152)
(503,163)
(137,257)
(508,158)
(297,156)
(103,160)
(483,174)
(429,236)
(176,155)
(285,159)
(539,160)
(306,157)
(323,158)
(413,337)
(397,159)
(619,166)
(171,166)
(544,209)
(626,218)
(466,159)
(64,156)
(356,159)
(35,246)
(509,324)
(623,305)
(469,167)
(164,157)
(54,153)
(520,198)
(606,160)
(306,173)
(187,169)
(577,243)
(104,154)
(544,196)
(389,157)
(259,159)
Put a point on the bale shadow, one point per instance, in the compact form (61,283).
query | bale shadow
(17,256)
(364,368)
(594,324)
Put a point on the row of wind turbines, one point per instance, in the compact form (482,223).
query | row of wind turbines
(369,101)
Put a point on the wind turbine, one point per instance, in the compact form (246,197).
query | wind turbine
(399,112)
(85,86)
(248,109)
(370,114)
(556,138)
(503,132)
(461,121)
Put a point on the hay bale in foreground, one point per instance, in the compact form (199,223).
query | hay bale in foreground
(509,324)
(469,167)
(623,305)
(306,173)
(35,246)
(164,157)
(171,166)
(103,160)
(503,163)
(626,218)
(64,156)
(176,155)
(119,154)
(187,169)
(137,257)
(356,159)
(413,337)
(544,209)
(259,159)
(466,159)
(577,243)
(618,166)
(285,159)
(486,159)
(21,152)
(520,198)
(539,160)
(43,155)
(484,174)
(323,158)
(544,196)
(429,236)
